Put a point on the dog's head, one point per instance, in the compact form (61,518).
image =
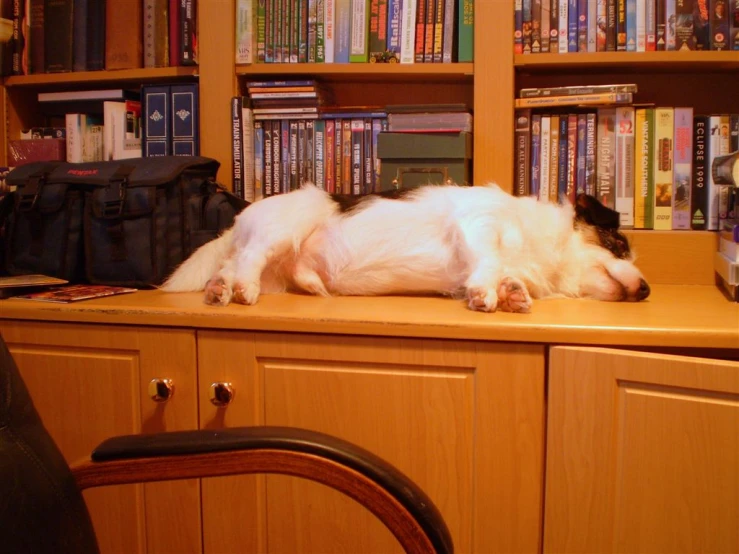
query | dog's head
(610,273)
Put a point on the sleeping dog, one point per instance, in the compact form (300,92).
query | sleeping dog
(479,243)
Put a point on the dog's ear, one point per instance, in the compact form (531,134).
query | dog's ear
(589,210)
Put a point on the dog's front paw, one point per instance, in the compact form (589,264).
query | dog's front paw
(482,299)
(217,292)
(513,296)
(246,293)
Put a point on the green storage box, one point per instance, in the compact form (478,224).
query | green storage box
(410,160)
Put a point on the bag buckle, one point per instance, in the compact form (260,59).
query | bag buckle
(112,198)
(27,199)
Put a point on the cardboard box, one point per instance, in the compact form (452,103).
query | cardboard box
(410,160)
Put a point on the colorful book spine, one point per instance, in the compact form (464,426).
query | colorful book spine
(359,37)
(523,153)
(247,150)
(320,32)
(329,156)
(261,31)
(535,154)
(329,27)
(554,158)
(590,153)
(631,34)
(562,158)
(394,26)
(644,174)
(572,26)
(641,25)
(319,154)
(682,168)
(606,172)
(465,31)
(267,158)
(518,27)
(582,122)
(701,173)
(244,31)
(570,188)
(343,30)
(259,172)
(625,165)
(408,31)
(664,130)
(237,174)
(734,24)
(670,15)
(684,37)
(546,137)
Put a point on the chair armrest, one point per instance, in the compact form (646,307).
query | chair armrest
(394,498)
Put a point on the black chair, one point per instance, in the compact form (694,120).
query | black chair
(42,509)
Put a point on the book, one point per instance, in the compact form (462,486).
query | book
(625,167)
(156,33)
(124,38)
(701,170)
(465,30)
(576,90)
(664,129)
(523,154)
(682,168)
(58,38)
(21,284)
(644,169)
(602,98)
(74,293)
(606,156)
(36,150)
(121,130)
(156,120)
(79,34)
(185,114)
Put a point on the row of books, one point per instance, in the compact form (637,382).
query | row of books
(87,35)
(655,166)
(564,26)
(343,31)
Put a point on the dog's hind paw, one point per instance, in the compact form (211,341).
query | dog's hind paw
(482,299)
(217,292)
(513,296)
(246,294)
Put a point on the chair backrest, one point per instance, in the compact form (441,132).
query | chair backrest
(41,508)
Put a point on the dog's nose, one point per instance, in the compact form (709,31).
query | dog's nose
(643,291)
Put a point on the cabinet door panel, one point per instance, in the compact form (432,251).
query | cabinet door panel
(642,453)
(89,383)
(464,420)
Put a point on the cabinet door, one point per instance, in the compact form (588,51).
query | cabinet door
(462,419)
(642,453)
(89,383)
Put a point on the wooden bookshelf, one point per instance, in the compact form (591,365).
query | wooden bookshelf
(363,71)
(648,62)
(84,78)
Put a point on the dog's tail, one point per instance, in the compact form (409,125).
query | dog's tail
(195,271)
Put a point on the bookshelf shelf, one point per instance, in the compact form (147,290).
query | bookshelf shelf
(669,62)
(153,74)
(363,71)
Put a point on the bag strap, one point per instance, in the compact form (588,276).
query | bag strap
(112,195)
(28,196)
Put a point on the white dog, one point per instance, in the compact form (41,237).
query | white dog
(495,250)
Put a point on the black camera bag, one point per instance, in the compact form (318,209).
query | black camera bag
(123,222)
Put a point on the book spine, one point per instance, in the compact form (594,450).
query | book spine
(606,173)
(320,31)
(260,28)
(611,25)
(377,29)
(96,36)
(428,32)
(185,117)
(670,25)
(394,27)
(259,172)
(58,38)
(359,39)
(562,158)
(518,27)
(465,29)
(276,161)
(319,153)
(309,151)
(368,171)
(546,19)
(438,45)
(553,158)
(523,153)
(535,155)
(554,26)
(661,21)
(73,130)
(650,24)
(306,34)
(339,155)
(379,124)
(582,25)
(714,189)
(684,37)
(602,22)
(173,19)
(590,153)
(357,148)
(346,156)
(641,163)
(244,33)
(448,48)
(329,27)
(625,165)
(620,25)
(36,39)
(734,24)
(682,168)
(575,90)
(641,25)
(577,99)
(123,34)
(408,31)
(156,120)
(570,193)
(701,31)
(631,26)
(420,24)
(572,26)
(329,156)
(719,25)
(582,123)
(724,191)
(79,34)
(188,40)
(343,30)
(247,145)
(546,135)
(267,189)
(285,155)
(701,173)
(237,146)
(535,22)
(664,129)
(591,24)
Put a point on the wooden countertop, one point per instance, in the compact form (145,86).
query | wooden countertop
(673,316)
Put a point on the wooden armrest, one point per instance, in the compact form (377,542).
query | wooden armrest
(396,500)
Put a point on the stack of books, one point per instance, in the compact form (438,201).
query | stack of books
(429,118)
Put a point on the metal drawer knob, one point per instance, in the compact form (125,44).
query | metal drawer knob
(221,394)
(161,390)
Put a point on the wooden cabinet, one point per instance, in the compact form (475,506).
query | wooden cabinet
(642,453)
(89,383)
(463,419)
